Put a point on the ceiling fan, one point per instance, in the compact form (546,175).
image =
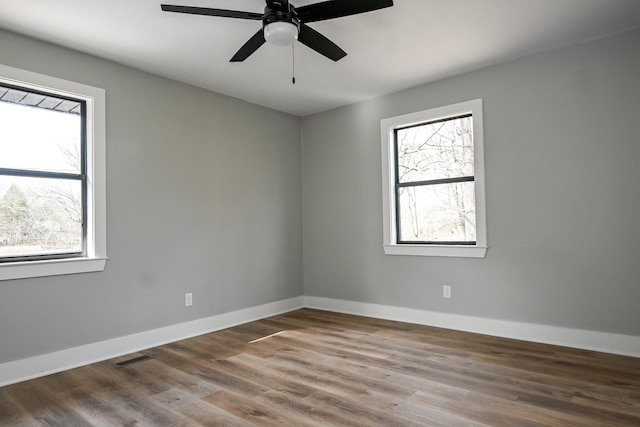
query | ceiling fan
(283,24)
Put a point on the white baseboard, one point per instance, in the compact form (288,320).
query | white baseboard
(51,363)
(626,345)
(39,366)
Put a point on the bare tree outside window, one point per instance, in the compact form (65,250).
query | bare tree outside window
(435,182)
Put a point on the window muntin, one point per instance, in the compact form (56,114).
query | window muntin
(443,187)
(434,164)
(42,175)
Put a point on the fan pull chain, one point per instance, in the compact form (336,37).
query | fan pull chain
(293,64)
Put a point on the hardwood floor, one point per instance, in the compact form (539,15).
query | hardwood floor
(310,367)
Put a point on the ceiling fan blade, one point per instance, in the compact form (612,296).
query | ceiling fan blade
(211,12)
(249,47)
(316,41)
(339,8)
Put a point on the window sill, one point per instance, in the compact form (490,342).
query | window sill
(440,251)
(27,269)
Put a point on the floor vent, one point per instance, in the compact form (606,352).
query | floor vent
(132,361)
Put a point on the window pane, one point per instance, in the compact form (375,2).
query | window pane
(40,216)
(437,150)
(36,138)
(438,213)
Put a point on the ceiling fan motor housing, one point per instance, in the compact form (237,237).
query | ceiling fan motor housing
(280,23)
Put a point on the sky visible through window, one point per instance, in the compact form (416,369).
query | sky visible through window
(38,139)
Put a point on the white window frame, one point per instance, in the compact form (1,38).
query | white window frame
(96,256)
(387,127)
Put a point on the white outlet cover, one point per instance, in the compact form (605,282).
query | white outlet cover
(446,291)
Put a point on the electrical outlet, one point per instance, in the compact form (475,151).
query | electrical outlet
(188,300)
(446,291)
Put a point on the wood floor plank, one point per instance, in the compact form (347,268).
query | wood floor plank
(344,378)
(485,413)
(360,411)
(311,367)
(269,378)
(12,414)
(146,411)
(97,412)
(313,414)
(167,377)
(46,407)
(254,410)
(197,410)
(428,415)
(314,376)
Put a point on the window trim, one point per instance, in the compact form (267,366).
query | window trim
(96,247)
(387,130)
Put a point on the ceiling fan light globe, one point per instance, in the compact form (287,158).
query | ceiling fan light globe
(281,33)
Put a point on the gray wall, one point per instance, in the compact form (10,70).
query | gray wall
(562,150)
(203,194)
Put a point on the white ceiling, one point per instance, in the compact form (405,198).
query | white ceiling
(411,43)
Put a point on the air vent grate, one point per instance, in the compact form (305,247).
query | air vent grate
(138,359)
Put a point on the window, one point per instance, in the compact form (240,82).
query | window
(433,182)
(52,184)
